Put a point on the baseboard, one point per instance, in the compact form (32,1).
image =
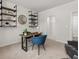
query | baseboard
(58,40)
(19,41)
(9,44)
(61,41)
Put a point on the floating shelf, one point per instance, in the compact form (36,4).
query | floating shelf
(33,19)
(33,22)
(7,14)
(8,9)
(8,20)
(33,15)
(32,26)
(8,26)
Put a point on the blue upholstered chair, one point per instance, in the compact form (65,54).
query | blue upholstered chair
(40,40)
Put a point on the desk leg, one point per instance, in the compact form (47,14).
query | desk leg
(22,42)
(26,45)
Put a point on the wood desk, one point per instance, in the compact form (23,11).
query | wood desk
(24,39)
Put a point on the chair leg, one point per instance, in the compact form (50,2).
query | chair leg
(32,46)
(43,47)
(38,49)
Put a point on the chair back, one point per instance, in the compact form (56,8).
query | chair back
(40,40)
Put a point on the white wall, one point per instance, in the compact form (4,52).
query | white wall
(10,35)
(63,20)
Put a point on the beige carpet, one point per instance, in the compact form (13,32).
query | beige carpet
(54,50)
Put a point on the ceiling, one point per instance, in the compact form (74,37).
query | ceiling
(40,5)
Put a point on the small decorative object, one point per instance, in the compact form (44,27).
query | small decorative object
(10,12)
(22,19)
(9,18)
(7,23)
(12,23)
(5,11)
(25,34)
(25,30)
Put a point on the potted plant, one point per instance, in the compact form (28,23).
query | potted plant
(25,32)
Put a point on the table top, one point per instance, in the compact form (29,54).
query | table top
(30,35)
(26,35)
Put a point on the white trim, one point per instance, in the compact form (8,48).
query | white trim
(61,41)
(9,44)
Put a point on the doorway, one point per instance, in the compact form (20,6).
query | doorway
(75,26)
